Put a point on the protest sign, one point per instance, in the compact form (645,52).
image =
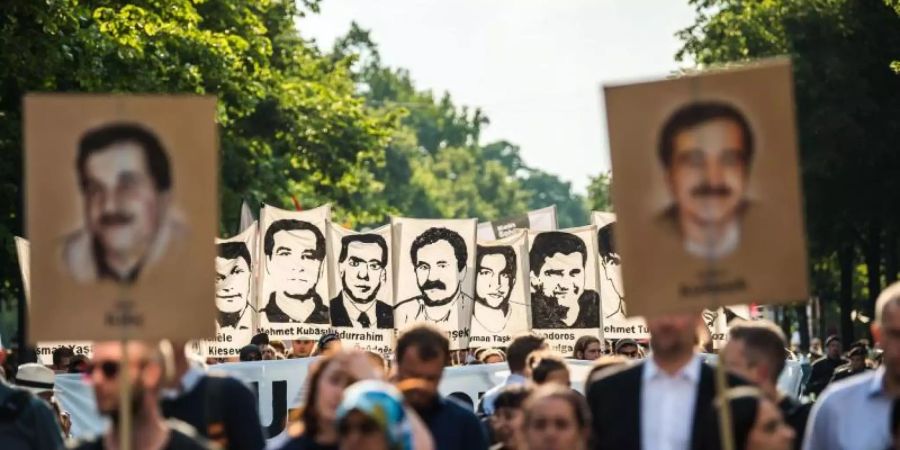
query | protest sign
(543,219)
(502,295)
(434,275)
(616,322)
(718,322)
(120,196)
(565,304)
(706,175)
(361,288)
(293,276)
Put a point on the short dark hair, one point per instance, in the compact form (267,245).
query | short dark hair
(234,250)
(549,243)
(429,342)
(294,224)
(519,349)
(98,139)
(365,238)
(512,396)
(509,255)
(62,352)
(606,243)
(695,113)
(260,339)
(544,362)
(434,234)
(763,340)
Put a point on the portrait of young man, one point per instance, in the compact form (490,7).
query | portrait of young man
(124,180)
(362,267)
(295,255)
(559,298)
(233,286)
(495,277)
(612,295)
(439,257)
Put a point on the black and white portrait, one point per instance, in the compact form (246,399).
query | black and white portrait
(612,294)
(501,295)
(563,287)
(234,286)
(363,275)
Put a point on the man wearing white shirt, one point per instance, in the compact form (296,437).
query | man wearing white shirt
(662,403)
(862,402)
(516,355)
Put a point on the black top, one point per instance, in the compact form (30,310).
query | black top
(820,376)
(181,437)
(221,409)
(275,315)
(546,312)
(384,313)
(796,415)
(845,372)
(303,442)
(454,426)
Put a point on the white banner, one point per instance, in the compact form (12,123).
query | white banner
(543,219)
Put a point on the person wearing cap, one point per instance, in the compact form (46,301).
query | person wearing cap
(250,352)
(40,380)
(371,416)
(823,369)
(856,365)
(26,422)
(628,348)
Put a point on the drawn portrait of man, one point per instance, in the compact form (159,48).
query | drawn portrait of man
(295,253)
(363,265)
(495,276)
(125,182)
(233,286)
(706,149)
(558,275)
(439,256)
(610,273)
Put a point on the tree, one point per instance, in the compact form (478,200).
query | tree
(600,193)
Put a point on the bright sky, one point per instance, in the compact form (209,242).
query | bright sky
(535,67)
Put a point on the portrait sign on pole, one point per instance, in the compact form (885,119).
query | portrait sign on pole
(361,288)
(565,304)
(502,297)
(121,202)
(435,265)
(616,322)
(543,219)
(293,274)
(707,192)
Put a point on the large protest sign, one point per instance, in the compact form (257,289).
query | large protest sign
(434,275)
(361,288)
(707,193)
(718,322)
(502,293)
(293,275)
(120,198)
(565,304)
(543,219)
(616,323)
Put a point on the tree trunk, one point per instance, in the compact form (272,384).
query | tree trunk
(890,256)
(845,261)
(803,324)
(873,266)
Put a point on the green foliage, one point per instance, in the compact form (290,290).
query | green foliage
(599,193)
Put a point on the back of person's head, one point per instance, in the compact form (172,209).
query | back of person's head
(79,364)
(519,349)
(260,339)
(60,354)
(543,363)
(428,342)
(603,363)
(764,342)
(250,352)
(512,396)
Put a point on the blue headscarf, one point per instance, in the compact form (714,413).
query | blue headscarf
(383,404)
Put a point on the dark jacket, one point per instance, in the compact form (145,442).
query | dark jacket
(275,315)
(546,312)
(384,313)
(796,415)
(822,371)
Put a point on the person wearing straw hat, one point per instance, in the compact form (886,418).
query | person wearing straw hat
(40,380)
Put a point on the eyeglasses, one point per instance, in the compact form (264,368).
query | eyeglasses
(109,368)
(364,428)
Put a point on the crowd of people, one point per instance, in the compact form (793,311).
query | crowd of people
(662,397)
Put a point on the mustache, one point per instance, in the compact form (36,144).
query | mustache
(115,219)
(708,190)
(436,284)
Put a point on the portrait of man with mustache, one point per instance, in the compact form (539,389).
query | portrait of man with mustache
(706,149)
(363,265)
(294,252)
(125,181)
(439,257)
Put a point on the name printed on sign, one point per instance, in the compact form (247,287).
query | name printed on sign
(293,331)
(631,329)
(489,339)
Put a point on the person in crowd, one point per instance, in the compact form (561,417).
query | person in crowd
(328,343)
(220,408)
(40,381)
(260,339)
(26,422)
(556,418)
(422,352)
(516,355)
(506,423)
(250,353)
(864,401)
(756,422)
(756,352)
(857,364)
(815,349)
(279,347)
(79,364)
(149,430)
(491,356)
(372,416)
(587,348)
(268,353)
(548,367)
(603,363)
(317,428)
(628,348)
(661,402)
(302,348)
(62,357)
(823,369)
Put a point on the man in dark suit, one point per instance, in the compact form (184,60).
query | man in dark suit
(363,271)
(665,402)
(295,253)
(558,296)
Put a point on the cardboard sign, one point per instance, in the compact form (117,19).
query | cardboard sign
(707,193)
(293,274)
(434,278)
(121,195)
(616,322)
(543,219)
(361,288)
(565,304)
(502,296)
